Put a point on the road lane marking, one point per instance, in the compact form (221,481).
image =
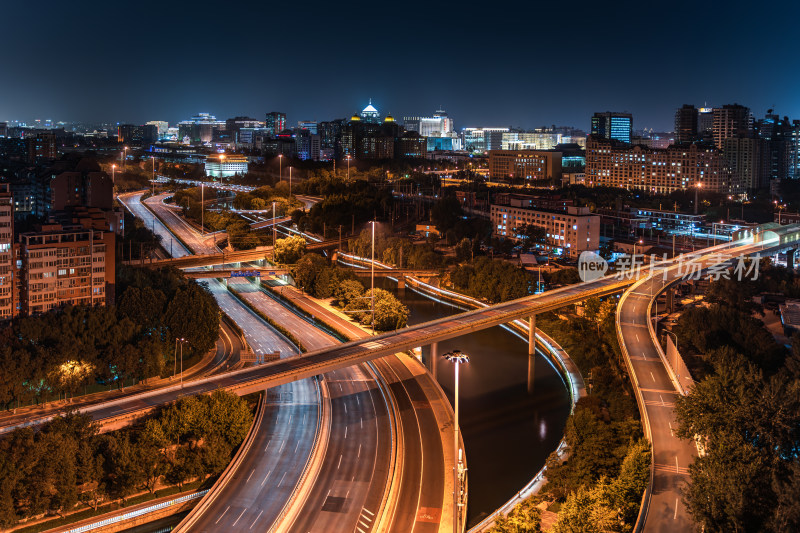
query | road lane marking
(223,514)
(284,442)
(296,446)
(675,515)
(340,462)
(251,475)
(281,481)
(256,520)
(240,515)
(637,337)
(652,376)
(359,451)
(368,511)
(662,399)
(345,432)
(265,478)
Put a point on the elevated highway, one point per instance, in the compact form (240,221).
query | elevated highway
(657,383)
(279,271)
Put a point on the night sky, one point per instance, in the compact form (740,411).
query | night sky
(506,63)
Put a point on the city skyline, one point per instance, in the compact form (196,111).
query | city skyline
(165,64)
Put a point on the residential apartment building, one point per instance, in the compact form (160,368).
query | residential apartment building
(614,164)
(64,265)
(529,165)
(7,260)
(568,232)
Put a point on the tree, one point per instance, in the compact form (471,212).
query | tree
(290,249)
(348,292)
(585,511)
(307,270)
(525,517)
(193,314)
(531,236)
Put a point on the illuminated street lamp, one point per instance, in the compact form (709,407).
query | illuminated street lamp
(221,171)
(202,207)
(113,173)
(290,182)
(457,358)
(348,167)
(280,167)
(697,188)
(125,156)
(154,174)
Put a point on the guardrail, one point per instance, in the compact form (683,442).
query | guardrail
(648,491)
(138,512)
(227,474)
(383,521)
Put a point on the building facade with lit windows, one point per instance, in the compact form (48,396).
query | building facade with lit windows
(226,165)
(7,259)
(529,165)
(275,122)
(568,232)
(613,126)
(65,266)
(615,164)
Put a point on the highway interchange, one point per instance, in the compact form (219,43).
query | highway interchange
(653,382)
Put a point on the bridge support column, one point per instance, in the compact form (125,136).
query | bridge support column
(531,352)
(790,258)
(401,282)
(433,355)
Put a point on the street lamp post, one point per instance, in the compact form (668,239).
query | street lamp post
(348,167)
(458,358)
(274,231)
(113,173)
(125,157)
(372,277)
(183,341)
(290,182)
(697,188)
(280,167)
(202,207)
(154,174)
(221,162)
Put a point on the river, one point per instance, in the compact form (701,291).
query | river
(508,432)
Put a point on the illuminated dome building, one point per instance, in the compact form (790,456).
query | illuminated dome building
(370,114)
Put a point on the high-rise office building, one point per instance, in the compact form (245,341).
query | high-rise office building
(686,124)
(162,127)
(705,124)
(749,163)
(137,135)
(794,150)
(616,126)
(276,122)
(731,121)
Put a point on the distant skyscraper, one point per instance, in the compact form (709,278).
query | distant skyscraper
(139,135)
(686,124)
(370,115)
(616,126)
(731,121)
(705,123)
(310,125)
(276,122)
(162,126)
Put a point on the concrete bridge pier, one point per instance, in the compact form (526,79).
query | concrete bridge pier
(790,258)
(531,352)
(401,282)
(433,355)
